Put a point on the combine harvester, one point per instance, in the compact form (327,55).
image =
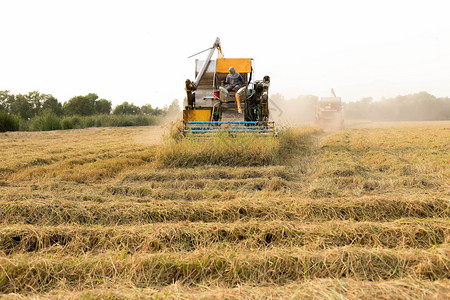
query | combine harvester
(330,113)
(211,108)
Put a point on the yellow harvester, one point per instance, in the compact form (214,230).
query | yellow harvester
(209,109)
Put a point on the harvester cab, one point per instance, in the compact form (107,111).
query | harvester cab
(330,113)
(211,107)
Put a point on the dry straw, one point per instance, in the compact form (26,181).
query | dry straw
(356,214)
(291,208)
(26,273)
(254,234)
(228,150)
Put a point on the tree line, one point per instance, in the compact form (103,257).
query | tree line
(34,103)
(37,111)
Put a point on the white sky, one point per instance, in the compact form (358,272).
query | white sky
(137,51)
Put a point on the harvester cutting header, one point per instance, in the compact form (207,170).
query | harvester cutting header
(224,97)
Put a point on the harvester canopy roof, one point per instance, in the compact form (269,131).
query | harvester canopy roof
(240,65)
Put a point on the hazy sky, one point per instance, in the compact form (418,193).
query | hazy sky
(137,51)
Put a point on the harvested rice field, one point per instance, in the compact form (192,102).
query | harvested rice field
(128,213)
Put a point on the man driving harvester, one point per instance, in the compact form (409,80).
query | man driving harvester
(234,81)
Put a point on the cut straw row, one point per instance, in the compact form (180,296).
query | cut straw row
(40,273)
(166,237)
(127,213)
(345,289)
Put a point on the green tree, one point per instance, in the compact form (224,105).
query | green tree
(103,106)
(5,100)
(20,106)
(81,105)
(35,100)
(158,111)
(147,109)
(28,105)
(52,104)
(126,108)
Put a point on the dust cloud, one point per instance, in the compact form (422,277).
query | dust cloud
(297,111)
(420,106)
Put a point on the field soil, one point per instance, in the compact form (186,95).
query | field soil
(114,213)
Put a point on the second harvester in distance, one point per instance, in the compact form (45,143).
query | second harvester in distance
(213,104)
(330,113)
